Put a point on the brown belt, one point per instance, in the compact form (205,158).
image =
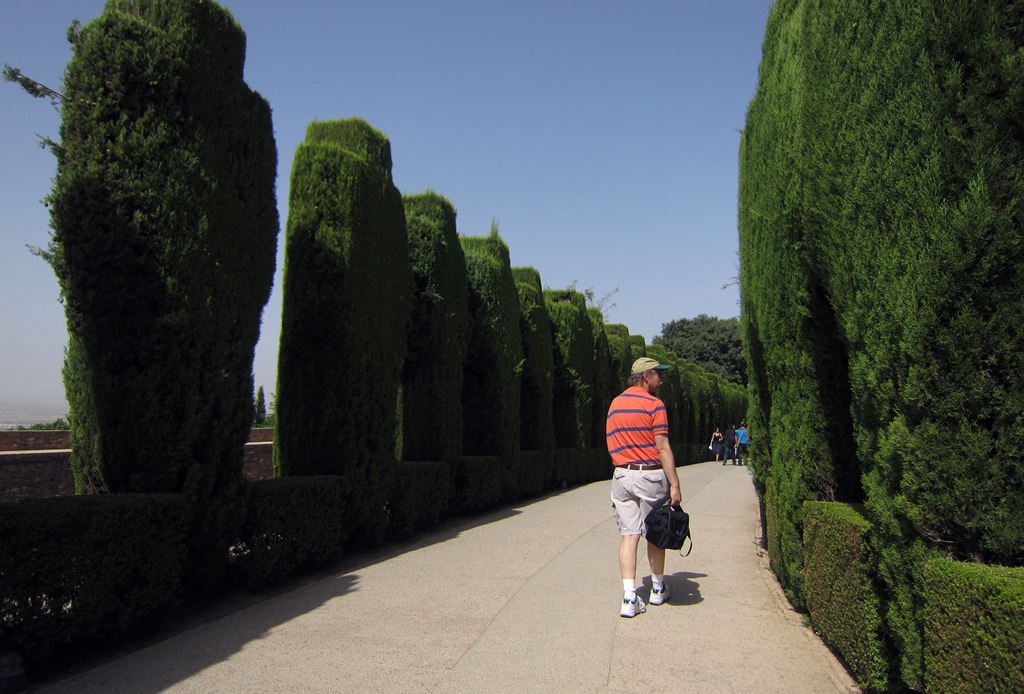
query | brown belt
(641,466)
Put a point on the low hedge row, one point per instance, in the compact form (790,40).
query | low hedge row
(81,567)
(292,523)
(90,566)
(973,627)
(972,621)
(842,601)
(420,498)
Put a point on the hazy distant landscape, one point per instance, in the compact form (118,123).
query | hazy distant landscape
(13,416)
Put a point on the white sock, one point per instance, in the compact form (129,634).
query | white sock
(629,588)
(657,581)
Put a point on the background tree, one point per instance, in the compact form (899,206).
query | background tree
(260,408)
(714,344)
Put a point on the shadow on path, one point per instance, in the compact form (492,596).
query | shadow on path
(306,593)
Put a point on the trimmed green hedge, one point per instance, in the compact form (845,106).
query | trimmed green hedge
(573,381)
(165,235)
(537,467)
(439,336)
(293,523)
(347,302)
(842,598)
(973,628)
(476,483)
(880,226)
(492,377)
(621,349)
(82,567)
(422,495)
(605,380)
(568,467)
(536,406)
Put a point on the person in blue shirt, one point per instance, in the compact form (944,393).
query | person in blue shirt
(741,442)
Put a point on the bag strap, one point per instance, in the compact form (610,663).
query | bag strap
(684,544)
(679,507)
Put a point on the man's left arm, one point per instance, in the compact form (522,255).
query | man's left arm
(668,465)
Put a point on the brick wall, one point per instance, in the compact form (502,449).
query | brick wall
(31,473)
(35,474)
(35,440)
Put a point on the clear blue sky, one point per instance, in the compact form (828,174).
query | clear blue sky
(602,137)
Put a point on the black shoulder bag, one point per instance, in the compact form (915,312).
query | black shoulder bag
(668,527)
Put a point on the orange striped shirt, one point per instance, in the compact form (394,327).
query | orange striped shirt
(634,418)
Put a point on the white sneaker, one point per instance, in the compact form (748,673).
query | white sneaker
(659,597)
(631,608)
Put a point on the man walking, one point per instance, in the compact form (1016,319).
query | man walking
(644,478)
(730,445)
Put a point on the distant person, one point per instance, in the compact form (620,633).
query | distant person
(730,444)
(717,441)
(741,442)
(644,478)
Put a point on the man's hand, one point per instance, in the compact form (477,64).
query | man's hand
(675,494)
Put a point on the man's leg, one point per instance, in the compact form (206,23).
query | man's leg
(659,589)
(656,558)
(627,556)
(632,604)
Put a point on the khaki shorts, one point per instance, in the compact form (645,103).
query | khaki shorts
(634,494)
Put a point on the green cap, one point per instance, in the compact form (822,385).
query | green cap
(646,364)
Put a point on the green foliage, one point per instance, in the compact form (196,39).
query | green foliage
(292,523)
(421,496)
(536,470)
(620,347)
(82,567)
(492,376)
(536,415)
(166,240)
(712,343)
(477,483)
(56,425)
(347,301)
(573,381)
(165,232)
(259,408)
(604,382)
(881,276)
(973,627)
(439,335)
(569,466)
(842,599)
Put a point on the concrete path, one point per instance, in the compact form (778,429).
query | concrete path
(525,599)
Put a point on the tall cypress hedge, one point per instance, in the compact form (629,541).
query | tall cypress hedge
(881,271)
(787,318)
(605,379)
(492,378)
(165,226)
(439,334)
(347,302)
(536,415)
(574,367)
(620,348)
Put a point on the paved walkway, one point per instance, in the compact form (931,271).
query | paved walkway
(525,599)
